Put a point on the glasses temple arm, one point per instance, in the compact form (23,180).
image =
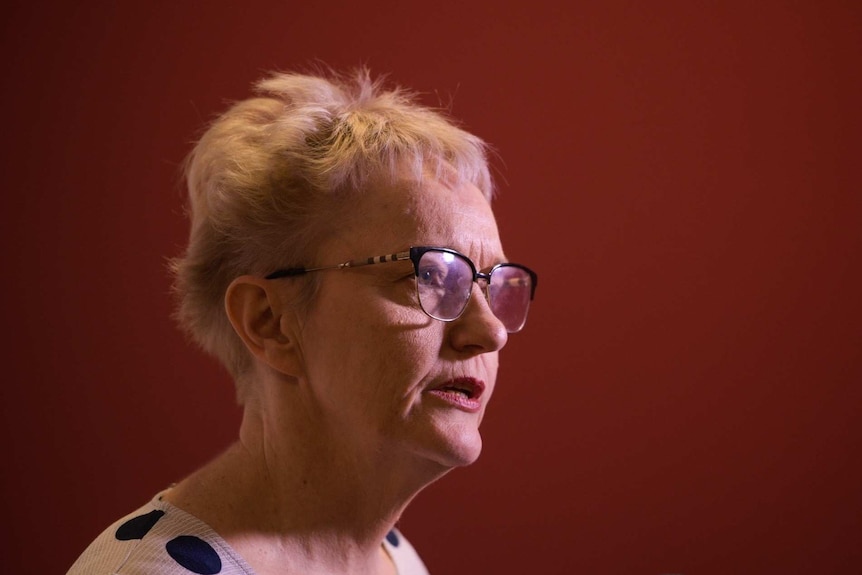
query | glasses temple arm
(291,272)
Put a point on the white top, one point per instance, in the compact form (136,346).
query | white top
(160,539)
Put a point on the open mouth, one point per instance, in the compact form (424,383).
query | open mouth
(463,391)
(466,386)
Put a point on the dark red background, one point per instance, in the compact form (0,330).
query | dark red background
(685,177)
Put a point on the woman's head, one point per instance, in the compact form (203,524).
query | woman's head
(378,373)
(274,177)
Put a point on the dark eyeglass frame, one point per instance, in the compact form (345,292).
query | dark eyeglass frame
(414,254)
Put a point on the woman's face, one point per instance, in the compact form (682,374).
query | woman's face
(381,375)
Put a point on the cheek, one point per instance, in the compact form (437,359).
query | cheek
(369,357)
(383,341)
(405,352)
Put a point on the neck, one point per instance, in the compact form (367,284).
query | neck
(296,490)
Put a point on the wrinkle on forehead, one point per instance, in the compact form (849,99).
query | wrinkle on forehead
(393,216)
(461,215)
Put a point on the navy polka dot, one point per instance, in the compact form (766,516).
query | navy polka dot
(139,526)
(392,537)
(194,554)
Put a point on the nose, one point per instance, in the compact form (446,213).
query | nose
(478,330)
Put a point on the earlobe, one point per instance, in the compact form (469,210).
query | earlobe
(256,311)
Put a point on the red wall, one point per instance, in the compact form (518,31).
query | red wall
(683,175)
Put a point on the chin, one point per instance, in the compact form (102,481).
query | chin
(457,449)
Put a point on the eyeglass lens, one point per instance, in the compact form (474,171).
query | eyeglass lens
(445,280)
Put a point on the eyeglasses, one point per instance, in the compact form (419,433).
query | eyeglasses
(444,282)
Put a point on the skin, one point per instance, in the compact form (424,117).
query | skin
(341,431)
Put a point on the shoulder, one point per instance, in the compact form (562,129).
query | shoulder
(404,556)
(158,539)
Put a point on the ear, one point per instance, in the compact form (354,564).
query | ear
(264,321)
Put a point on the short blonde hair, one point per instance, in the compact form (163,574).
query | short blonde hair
(267,176)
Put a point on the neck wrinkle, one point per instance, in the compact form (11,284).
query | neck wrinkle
(286,492)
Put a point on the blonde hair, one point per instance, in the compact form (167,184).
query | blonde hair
(267,176)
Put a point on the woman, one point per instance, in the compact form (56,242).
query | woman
(363,377)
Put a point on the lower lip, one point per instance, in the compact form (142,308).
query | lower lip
(457,400)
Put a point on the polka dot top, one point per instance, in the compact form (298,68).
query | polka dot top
(160,539)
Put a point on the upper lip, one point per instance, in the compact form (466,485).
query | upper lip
(469,385)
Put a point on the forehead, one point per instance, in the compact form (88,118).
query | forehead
(391,217)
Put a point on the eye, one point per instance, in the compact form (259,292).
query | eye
(432,276)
